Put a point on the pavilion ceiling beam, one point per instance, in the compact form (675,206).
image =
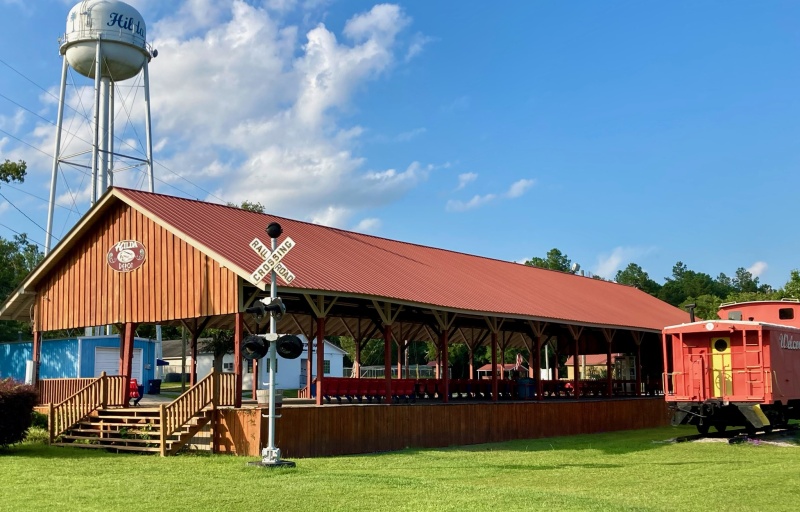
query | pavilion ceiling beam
(385,311)
(318,305)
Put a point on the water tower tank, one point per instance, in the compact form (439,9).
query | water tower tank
(120,29)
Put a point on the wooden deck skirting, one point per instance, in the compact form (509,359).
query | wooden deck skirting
(309,431)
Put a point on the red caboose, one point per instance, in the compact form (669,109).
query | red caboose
(740,370)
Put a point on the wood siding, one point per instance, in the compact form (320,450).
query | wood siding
(350,429)
(175,282)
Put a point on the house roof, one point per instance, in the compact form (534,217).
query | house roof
(488,367)
(335,261)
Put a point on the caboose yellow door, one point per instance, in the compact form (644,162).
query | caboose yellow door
(721,376)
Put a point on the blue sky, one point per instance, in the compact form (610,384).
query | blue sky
(615,131)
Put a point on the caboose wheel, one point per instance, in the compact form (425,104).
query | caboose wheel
(720,427)
(703,429)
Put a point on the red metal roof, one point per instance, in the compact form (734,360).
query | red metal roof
(335,260)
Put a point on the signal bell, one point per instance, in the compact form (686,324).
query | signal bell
(254,347)
(289,346)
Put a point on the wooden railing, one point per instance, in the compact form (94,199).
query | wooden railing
(55,391)
(103,391)
(214,390)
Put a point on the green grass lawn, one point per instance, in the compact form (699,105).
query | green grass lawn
(634,470)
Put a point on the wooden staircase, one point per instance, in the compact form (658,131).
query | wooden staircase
(89,419)
(131,429)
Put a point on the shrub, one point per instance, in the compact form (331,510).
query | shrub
(39,420)
(16,408)
(37,435)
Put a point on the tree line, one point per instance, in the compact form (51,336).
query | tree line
(686,286)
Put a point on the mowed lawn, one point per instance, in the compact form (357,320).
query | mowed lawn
(633,470)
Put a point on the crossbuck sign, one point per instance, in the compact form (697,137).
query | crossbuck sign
(272,260)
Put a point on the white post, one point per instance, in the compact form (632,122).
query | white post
(273,361)
(102,151)
(56,155)
(96,135)
(147,130)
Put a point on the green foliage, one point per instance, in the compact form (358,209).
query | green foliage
(17,258)
(38,420)
(634,275)
(792,286)
(250,206)
(219,342)
(16,408)
(13,171)
(37,435)
(555,260)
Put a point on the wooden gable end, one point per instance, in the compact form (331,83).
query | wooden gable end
(175,281)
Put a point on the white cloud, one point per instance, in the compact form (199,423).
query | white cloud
(519,188)
(466,178)
(418,43)
(758,268)
(608,264)
(476,201)
(4,206)
(247,104)
(411,134)
(370,225)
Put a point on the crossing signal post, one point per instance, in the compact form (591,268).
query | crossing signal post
(269,344)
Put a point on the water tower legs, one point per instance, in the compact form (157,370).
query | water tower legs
(56,155)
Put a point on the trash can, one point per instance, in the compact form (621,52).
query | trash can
(525,388)
(154,387)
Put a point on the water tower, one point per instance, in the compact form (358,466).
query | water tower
(105,40)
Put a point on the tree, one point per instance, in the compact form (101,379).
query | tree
(686,283)
(555,260)
(13,171)
(18,257)
(219,343)
(792,286)
(634,275)
(250,206)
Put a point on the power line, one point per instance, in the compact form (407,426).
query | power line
(21,234)
(26,216)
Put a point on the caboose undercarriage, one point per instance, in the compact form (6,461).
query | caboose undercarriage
(721,415)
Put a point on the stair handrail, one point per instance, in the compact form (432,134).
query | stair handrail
(103,391)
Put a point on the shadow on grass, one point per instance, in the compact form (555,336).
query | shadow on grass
(43,451)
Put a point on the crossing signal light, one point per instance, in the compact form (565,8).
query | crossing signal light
(256,346)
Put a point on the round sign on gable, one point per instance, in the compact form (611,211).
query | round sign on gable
(126,256)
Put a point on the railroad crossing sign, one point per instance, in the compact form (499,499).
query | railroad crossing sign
(272,260)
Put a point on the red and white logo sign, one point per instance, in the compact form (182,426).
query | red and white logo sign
(126,256)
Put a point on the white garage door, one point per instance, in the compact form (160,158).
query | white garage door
(107,360)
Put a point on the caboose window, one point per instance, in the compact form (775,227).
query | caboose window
(734,315)
(786,313)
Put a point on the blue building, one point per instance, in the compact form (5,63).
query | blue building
(81,357)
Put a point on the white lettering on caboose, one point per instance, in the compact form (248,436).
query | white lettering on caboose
(788,342)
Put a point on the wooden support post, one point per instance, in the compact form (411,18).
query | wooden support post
(255,377)
(639,368)
(163,430)
(126,357)
(537,363)
(310,361)
(387,360)
(471,361)
(576,369)
(320,357)
(238,332)
(36,356)
(193,349)
(445,366)
(609,371)
(494,366)
(51,423)
(357,362)
(399,359)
